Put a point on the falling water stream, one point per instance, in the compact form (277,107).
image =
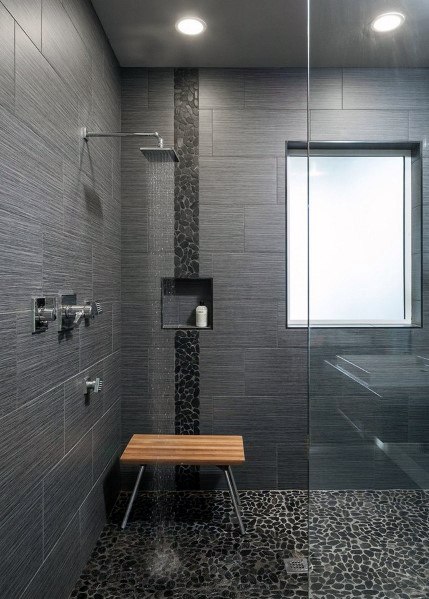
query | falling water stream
(164,560)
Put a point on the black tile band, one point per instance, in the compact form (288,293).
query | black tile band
(186,258)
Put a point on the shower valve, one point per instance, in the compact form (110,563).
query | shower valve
(94,386)
(73,314)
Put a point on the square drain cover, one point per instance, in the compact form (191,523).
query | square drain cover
(296,565)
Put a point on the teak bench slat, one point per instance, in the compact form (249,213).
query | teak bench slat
(192,450)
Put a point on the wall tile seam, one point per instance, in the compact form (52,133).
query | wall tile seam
(20,26)
(100,28)
(52,549)
(78,511)
(51,389)
(71,93)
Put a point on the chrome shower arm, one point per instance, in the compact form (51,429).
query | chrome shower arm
(87,134)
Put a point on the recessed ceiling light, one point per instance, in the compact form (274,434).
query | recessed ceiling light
(191,26)
(387,21)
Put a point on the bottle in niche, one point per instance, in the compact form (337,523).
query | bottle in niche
(201,315)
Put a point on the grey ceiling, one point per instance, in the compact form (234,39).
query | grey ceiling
(269,33)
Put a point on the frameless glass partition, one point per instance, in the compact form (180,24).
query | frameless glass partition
(366,296)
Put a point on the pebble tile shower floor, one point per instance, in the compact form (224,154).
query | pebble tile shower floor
(186,545)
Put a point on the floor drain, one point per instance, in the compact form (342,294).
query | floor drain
(296,565)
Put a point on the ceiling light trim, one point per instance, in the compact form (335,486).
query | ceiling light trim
(191,25)
(387,22)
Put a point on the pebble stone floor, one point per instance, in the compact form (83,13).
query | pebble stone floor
(185,545)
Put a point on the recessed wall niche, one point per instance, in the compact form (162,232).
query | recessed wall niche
(179,299)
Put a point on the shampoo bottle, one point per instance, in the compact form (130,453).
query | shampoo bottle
(201,315)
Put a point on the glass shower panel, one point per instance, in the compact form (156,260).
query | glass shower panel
(368,296)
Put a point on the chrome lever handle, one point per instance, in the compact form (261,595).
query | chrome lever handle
(94,386)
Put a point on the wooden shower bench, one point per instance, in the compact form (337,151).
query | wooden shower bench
(186,450)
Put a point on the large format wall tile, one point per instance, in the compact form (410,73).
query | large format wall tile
(276,88)
(386,89)
(7,41)
(8,367)
(206,132)
(359,125)
(49,349)
(64,49)
(64,489)
(249,276)
(281,371)
(60,569)
(222,230)
(105,439)
(244,323)
(269,419)
(42,99)
(21,543)
(265,228)
(236,181)
(28,14)
(221,88)
(32,442)
(222,371)
(232,135)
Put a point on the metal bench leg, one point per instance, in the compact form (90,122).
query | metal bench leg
(234,486)
(133,496)
(233,498)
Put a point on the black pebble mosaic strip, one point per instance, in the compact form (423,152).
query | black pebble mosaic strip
(186,257)
(187,398)
(186,177)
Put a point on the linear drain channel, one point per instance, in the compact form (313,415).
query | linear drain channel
(296,565)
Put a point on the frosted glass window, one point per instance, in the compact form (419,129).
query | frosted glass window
(357,230)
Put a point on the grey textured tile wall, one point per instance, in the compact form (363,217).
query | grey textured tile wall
(59,204)
(265,228)
(54,116)
(249,276)
(222,230)
(386,89)
(7,39)
(105,440)
(32,438)
(28,13)
(64,489)
(243,323)
(222,88)
(63,47)
(8,366)
(326,88)
(276,88)
(221,371)
(206,132)
(281,371)
(22,543)
(160,88)
(359,125)
(60,569)
(237,180)
(232,135)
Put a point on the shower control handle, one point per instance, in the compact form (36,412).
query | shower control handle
(89,310)
(94,386)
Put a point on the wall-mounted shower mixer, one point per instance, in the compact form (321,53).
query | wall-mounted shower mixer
(44,311)
(72,314)
(94,386)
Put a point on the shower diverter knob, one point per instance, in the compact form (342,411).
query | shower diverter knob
(94,386)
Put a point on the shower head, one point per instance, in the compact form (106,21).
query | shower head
(155,154)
